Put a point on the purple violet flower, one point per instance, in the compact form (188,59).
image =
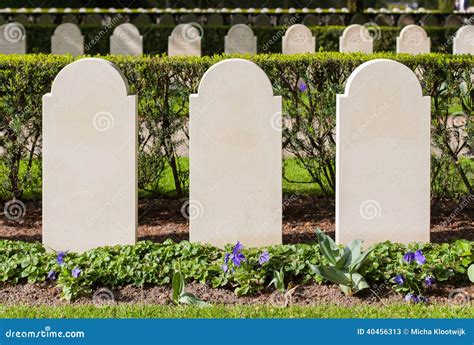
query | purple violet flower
(412,298)
(429,280)
(52,275)
(419,257)
(60,257)
(237,256)
(264,257)
(399,279)
(302,85)
(409,257)
(76,272)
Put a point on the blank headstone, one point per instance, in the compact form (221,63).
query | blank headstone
(335,20)
(235,157)
(126,40)
(67,39)
(69,18)
(89,158)
(141,20)
(12,39)
(429,20)
(166,19)
(356,38)
(383,20)
(405,19)
(185,40)
(262,20)
(311,20)
(358,19)
(413,40)
(463,42)
(286,19)
(453,21)
(298,39)
(22,19)
(239,19)
(215,19)
(45,19)
(240,40)
(92,19)
(383,156)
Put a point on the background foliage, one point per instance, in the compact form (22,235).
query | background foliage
(149,263)
(163,86)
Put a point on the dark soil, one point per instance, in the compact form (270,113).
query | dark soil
(306,295)
(160,219)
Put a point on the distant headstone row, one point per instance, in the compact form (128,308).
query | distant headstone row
(255,17)
(90,157)
(185,40)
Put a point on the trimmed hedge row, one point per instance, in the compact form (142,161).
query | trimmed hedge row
(164,84)
(155,38)
(148,263)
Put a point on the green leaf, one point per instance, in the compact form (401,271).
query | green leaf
(178,285)
(358,282)
(328,247)
(359,261)
(190,299)
(332,274)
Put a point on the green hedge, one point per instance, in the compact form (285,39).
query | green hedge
(163,86)
(156,38)
(148,263)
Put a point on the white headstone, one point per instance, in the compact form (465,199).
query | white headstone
(413,40)
(89,158)
(235,157)
(298,39)
(67,39)
(240,40)
(12,39)
(126,40)
(356,38)
(463,43)
(383,156)
(185,40)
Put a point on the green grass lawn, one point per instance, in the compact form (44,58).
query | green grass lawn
(156,311)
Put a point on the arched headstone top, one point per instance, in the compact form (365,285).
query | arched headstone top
(298,39)
(413,40)
(67,28)
(241,30)
(214,76)
(463,42)
(413,30)
(188,32)
(356,33)
(356,38)
(126,28)
(357,80)
(299,33)
(90,71)
(466,33)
